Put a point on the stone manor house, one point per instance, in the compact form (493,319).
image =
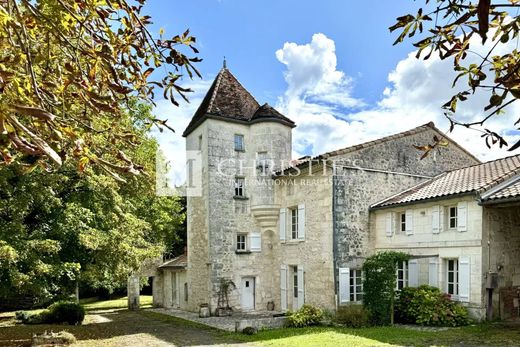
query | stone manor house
(288,232)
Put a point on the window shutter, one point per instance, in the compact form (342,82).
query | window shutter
(462,216)
(433,271)
(283,287)
(442,218)
(283,223)
(436,220)
(301,221)
(464,279)
(409,222)
(301,287)
(255,241)
(413,273)
(344,285)
(389,224)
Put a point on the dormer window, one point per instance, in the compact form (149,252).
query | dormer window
(239,143)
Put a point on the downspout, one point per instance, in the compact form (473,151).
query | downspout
(334,240)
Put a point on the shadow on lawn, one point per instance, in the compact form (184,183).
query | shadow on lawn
(124,326)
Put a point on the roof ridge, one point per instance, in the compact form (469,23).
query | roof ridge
(365,144)
(215,90)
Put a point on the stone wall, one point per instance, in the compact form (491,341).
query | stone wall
(501,254)
(314,253)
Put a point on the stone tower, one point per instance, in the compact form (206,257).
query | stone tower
(231,224)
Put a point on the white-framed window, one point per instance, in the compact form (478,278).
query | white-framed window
(295,281)
(402,275)
(239,142)
(293,214)
(452,217)
(239,186)
(402,222)
(241,242)
(452,277)
(356,285)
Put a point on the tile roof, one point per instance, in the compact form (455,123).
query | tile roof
(342,151)
(506,191)
(227,99)
(475,179)
(180,262)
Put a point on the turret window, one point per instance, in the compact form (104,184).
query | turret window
(239,142)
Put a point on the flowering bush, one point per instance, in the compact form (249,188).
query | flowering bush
(426,305)
(307,315)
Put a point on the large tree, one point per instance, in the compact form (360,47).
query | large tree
(67,71)
(450,29)
(66,226)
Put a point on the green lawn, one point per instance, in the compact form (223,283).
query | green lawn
(478,335)
(109,324)
(94,304)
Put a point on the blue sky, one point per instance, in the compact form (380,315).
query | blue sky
(329,65)
(249,32)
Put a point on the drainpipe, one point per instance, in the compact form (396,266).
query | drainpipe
(334,240)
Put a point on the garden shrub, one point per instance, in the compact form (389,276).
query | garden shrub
(66,311)
(379,285)
(249,331)
(353,316)
(427,305)
(306,316)
(59,312)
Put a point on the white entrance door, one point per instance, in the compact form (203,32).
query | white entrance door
(248,293)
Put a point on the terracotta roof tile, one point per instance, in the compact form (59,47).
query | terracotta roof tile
(472,179)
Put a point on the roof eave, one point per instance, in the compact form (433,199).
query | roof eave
(421,201)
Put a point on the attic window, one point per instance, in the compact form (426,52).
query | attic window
(239,142)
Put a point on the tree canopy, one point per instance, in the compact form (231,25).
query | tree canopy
(66,226)
(68,69)
(451,29)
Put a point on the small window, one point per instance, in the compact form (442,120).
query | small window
(356,285)
(239,142)
(295,281)
(241,242)
(402,275)
(453,217)
(294,222)
(239,186)
(185,291)
(200,142)
(402,222)
(452,277)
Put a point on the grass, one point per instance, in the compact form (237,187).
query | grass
(478,335)
(146,328)
(91,304)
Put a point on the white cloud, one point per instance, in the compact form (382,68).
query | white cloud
(318,99)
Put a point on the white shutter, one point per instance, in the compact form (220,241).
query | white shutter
(436,227)
(255,241)
(344,285)
(462,216)
(282,223)
(409,222)
(442,218)
(433,272)
(301,287)
(413,273)
(389,228)
(283,287)
(301,222)
(464,279)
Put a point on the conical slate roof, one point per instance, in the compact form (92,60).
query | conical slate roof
(228,100)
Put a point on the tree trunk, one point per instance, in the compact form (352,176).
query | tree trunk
(77,292)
